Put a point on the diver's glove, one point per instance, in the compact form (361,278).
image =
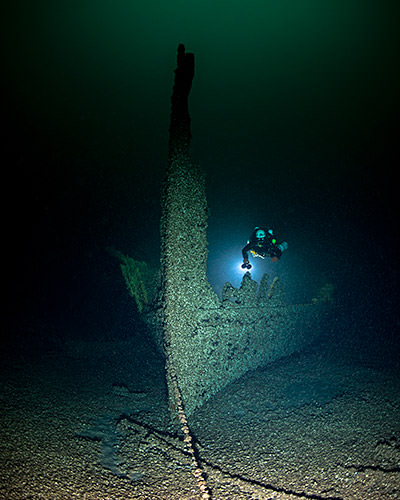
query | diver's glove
(246,264)
(283,246)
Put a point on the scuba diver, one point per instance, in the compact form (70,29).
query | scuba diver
(262,244)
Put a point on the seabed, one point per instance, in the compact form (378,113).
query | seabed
(90,420)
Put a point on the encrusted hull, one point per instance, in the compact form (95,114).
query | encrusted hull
(209,342)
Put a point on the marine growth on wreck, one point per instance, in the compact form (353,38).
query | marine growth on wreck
(209,342)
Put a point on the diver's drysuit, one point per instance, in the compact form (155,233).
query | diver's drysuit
(263,244)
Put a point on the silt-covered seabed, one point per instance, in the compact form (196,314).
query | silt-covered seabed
(90,420)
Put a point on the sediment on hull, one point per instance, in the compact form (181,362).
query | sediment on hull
(209,342)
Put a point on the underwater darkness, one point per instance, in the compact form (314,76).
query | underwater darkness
(294,112)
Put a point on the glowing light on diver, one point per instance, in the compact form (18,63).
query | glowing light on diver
(240,268)
(230,268)
(244,269)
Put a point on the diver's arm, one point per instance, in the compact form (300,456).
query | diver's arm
(277,250)
(245,251)
(275,253)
